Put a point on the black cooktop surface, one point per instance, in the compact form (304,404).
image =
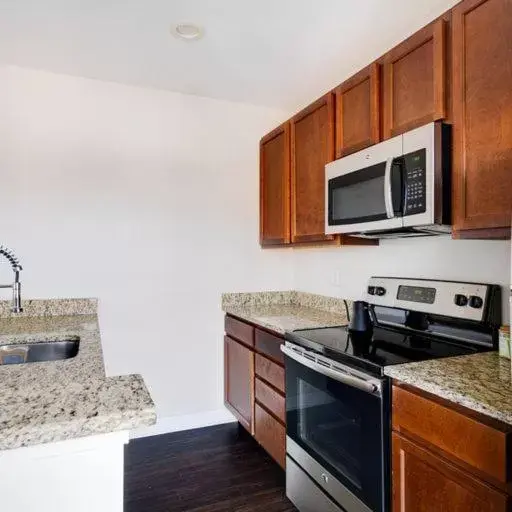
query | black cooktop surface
(383,348)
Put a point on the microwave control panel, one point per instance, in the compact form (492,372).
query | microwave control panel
(415,182)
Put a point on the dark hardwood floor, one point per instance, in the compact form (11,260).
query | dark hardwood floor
(212,469)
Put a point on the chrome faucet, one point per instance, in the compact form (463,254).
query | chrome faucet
(16,286)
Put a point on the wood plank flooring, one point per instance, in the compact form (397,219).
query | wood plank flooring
(212,469)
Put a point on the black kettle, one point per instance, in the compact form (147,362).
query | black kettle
(360,320)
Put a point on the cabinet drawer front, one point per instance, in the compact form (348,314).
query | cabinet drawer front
(270,434)
(269,345)
(239,330)
(271,399)
(270,371)
(472,442)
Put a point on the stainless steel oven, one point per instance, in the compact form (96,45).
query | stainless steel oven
(337,434)
(399,187)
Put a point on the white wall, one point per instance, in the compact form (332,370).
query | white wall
(146,199)
(149,200)
(344,271)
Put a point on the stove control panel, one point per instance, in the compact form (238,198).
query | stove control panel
(449,298)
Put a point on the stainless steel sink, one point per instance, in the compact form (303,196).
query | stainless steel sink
(38,352)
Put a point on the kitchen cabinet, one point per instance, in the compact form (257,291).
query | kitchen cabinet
(358,111)
(415,80)
(292,179)
(456,69)
(445,457)
(275,187)
(482,118)
(254,383)
(424,482)
(312,147)
(238,381)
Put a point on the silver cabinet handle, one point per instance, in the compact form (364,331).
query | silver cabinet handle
(388,193)
(344,378)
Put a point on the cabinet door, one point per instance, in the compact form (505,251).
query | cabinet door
(312,147)
(482,108)
(239,381)
(275,187)
(423,482)
(415,81)
(358,112)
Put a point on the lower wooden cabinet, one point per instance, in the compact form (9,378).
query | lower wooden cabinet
(445,458)
(254,384)
(239,381)
(270,434)
(423,482)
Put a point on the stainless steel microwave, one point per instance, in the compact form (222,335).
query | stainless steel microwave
(399,187)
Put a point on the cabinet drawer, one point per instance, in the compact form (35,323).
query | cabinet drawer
(239,330)
(473,442)
(271,399)
(270,434)
(269,345)
(270,371)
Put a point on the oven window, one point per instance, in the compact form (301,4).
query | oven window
(342,427)
(331,429)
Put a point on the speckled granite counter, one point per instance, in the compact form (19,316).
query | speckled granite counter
(481,382)
(286,311)
(58,400)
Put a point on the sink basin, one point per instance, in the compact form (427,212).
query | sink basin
(38,352)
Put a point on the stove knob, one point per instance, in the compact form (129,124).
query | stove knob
(476,302)
(380,291)
(461,300)
(371,290)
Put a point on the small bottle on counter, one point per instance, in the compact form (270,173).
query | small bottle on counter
(505,349)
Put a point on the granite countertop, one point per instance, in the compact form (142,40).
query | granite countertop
(58,400)
(481,382)
(286,311)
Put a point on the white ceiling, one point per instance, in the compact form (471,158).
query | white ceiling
(278,53)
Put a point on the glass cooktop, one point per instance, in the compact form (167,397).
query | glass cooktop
(373,352)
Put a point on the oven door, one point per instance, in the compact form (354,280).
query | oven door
(342,428)
(364,191)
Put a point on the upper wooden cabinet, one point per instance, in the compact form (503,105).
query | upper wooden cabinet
(482,117)
(358,111)
(415,85)
(275,187)
(312,147)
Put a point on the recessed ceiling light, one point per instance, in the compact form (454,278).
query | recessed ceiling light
(187,31)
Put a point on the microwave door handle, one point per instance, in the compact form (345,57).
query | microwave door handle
(388,190)
(344,378)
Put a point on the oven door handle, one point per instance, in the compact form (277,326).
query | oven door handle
(388,189)
(344,378)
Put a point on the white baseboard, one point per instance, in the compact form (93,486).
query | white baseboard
(187,422)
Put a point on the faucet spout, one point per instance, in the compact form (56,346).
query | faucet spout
(16,286)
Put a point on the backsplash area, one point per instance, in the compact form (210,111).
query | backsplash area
(344,273)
